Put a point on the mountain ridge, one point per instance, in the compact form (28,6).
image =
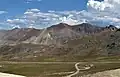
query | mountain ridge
(84,40)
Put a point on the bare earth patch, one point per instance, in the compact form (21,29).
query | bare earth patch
(9,75)
(111,73)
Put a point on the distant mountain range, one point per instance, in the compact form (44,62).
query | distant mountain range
(61,39)
(59,32)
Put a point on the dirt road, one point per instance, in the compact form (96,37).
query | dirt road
(78,69)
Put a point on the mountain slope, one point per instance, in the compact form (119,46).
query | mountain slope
(59,33)
(64,40)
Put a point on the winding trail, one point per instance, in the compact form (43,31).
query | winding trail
(76,66)
(78,69)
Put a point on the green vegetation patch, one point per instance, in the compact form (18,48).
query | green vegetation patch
(36,69)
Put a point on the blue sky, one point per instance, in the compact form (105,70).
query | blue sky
(44,13)
(18,7)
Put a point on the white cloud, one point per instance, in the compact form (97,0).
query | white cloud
(3,12)
(16,21)
(107,10)
(30,1)
(106,5)
(101,6)
(38,19)
(16,26)
(28,13)
(100,13)
(33,10)
(31,26)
